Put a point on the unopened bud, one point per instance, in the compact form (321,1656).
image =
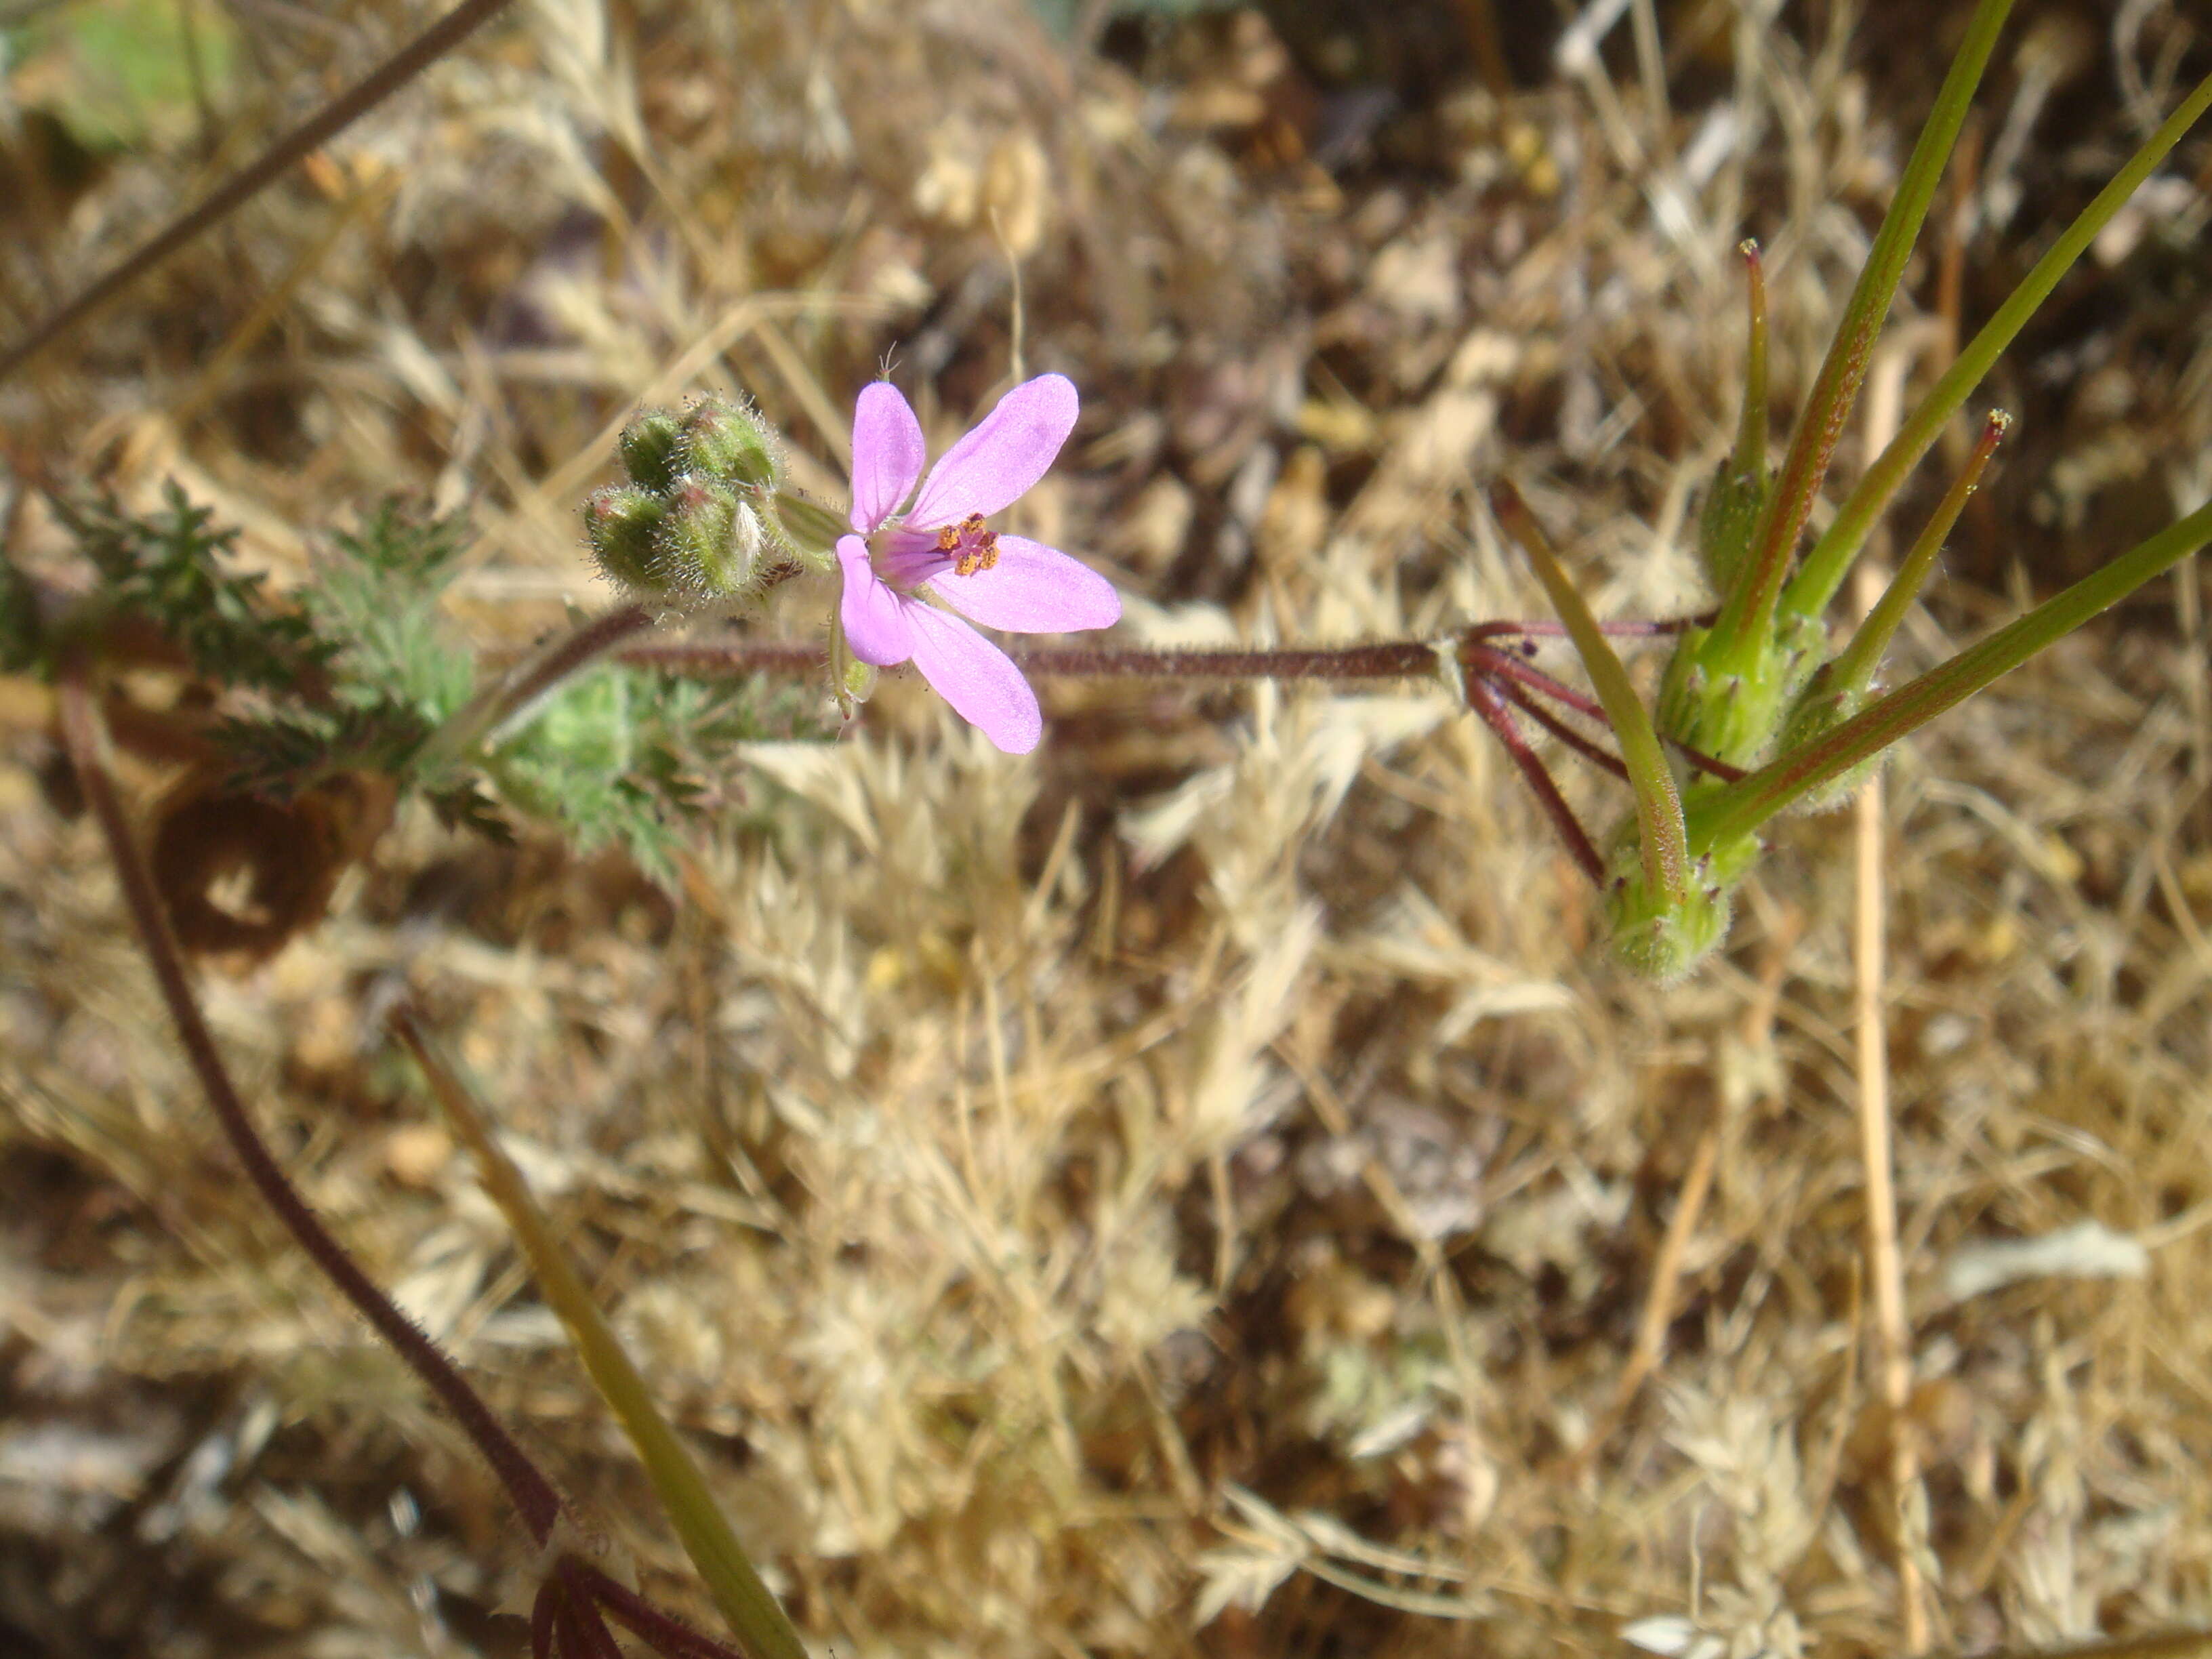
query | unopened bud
(625,525)
(652,447)
(730,443)
(711,541)
(1731,710)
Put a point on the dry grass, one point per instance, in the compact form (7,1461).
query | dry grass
(1198,1190)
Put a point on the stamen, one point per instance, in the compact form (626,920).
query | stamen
(977,548)
(982,556)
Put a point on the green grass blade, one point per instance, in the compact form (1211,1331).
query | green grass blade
(754,1616)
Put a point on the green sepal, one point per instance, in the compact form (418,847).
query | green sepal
(808,530)
(1730,513)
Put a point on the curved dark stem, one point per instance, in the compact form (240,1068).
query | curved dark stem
(1502,665)
(1499,718)
(86,739)
(1521,699)
(663,1632)
(311,135)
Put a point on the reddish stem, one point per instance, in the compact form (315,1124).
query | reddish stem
(1499,718)
(663,1632)
(86,739)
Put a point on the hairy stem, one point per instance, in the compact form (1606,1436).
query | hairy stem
(1386,659)
(86,739)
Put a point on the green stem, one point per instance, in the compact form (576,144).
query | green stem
(1740,808)
(1853,669)
(756,1618)
(1747,618)
(1823,571)
(1658,807)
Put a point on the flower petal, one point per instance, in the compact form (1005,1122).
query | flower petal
(887,453)
(1005,453)
(878,623)
(978,680)
(1033,589)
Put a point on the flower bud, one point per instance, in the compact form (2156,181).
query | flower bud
(731,444)
(1733,713)
(712,541)
(651,448)
(625,525)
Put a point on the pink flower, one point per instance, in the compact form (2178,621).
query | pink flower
(940,548)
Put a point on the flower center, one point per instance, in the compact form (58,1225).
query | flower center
(970,547)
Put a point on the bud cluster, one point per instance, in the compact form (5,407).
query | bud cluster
(697,523)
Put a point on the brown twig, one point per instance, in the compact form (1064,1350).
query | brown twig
(318,130)
(86,739)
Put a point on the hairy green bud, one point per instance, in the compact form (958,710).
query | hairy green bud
(1660,939)
(625,525)
(652,450)
(730,443)
(713,543)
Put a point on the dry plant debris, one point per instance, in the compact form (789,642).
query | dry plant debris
(1196,1189)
